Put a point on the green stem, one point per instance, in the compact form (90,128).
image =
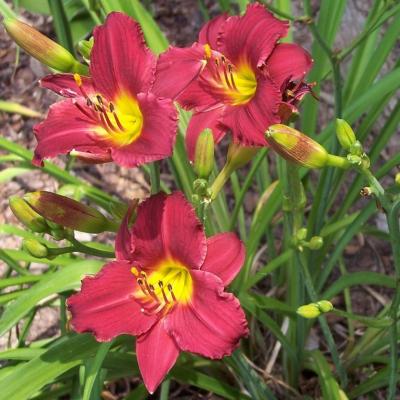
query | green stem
(155,177)
(78,246)
(324,325)
(220,180)
(249,179)
(394,232)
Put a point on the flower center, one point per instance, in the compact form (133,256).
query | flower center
(235,85)
(120,121)
(168,284)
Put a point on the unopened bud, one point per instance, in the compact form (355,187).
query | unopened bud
(27,216)
(314,310)
(356,148)
(315,243)
(345,134)
(294,146)
(239,155)
(325,306)
(309,311)
(204,154)
(397,178)
(41,47)
(85,47)
(35,248)
(301,234)
(69,213)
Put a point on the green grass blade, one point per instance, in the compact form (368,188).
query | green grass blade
(66,278)
(65,354)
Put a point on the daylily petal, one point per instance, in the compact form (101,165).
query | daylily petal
(286,110)
(199,122)
(249,122)
(177,68)
(157,138)
(288,60)
(156,354)
(124,246)
(120,61)
(212,324)
(105,305)
(146,235)
(252,36)
(225,256)
(64,129)
(65,85)
(195,97)
(210,31)
(182,232)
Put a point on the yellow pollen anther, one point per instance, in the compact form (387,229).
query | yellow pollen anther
(78,79)
(135,271)
(207,51)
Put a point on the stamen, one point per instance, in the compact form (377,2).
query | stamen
(135,271)
(153,293)
(120,126)
(172,293)
(140,283)
(232,79)
(111,107)
(99,99)
(163,292)
(227,78)
(82,110)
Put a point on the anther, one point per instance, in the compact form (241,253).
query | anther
(99,99)
(111,107)
(135,271)
(171,291)
(78,80)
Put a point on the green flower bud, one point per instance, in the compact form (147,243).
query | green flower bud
(85,47)
(345,134)
(397,178)
(325,306)
(294,146)
(356,149)
(204,154)
(309,311)
(238,155)
(41,47)
(200,187)
(315,243)
(27,216)
(301,234)
(35,248)
(69,213)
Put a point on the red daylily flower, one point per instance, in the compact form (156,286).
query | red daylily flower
(232,78)
(166,288)
(112,115)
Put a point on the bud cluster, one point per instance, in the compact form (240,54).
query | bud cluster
(314,310)
(300,241)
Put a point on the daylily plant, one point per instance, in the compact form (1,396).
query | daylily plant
(237,77)
(111,115)
(166,288)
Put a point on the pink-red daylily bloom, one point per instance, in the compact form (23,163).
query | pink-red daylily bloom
(235,78)
(111,115)
(166,288)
